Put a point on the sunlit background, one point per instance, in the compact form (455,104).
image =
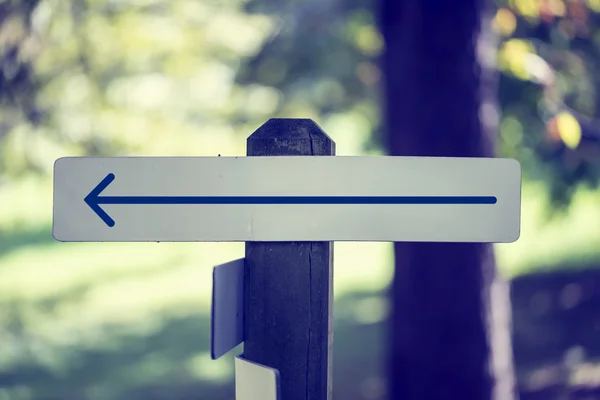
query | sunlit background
(170,78)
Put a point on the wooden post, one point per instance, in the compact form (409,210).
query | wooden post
(288,285)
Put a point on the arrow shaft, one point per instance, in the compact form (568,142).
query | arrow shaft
(94,200)
(166,200)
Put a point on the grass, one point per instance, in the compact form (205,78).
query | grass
(571,238)
(142,279)
(30,258)
(101,300)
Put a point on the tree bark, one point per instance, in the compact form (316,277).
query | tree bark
(450,325)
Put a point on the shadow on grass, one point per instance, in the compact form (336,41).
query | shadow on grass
(556,328)
(556,325)
(13,241)
(158,365)
(169,362)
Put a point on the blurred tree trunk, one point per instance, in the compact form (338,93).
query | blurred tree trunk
(451,312)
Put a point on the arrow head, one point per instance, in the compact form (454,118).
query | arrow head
(93,200)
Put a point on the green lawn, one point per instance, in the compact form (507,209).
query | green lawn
(95,297)
(34,266)
(159,276)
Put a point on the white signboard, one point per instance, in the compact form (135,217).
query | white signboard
(255,382)
(326,198)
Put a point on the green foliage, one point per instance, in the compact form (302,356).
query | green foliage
(152,78)
(19,43)
(130,79)
(550,62)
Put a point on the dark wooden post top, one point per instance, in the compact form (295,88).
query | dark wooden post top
(290,137)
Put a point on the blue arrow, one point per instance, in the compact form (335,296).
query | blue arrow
(94,200)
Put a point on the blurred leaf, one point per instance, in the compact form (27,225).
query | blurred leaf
(569,129)
(505,22)
(513,57)
(528,8)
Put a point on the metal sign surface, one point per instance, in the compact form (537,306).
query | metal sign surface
(313,198)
